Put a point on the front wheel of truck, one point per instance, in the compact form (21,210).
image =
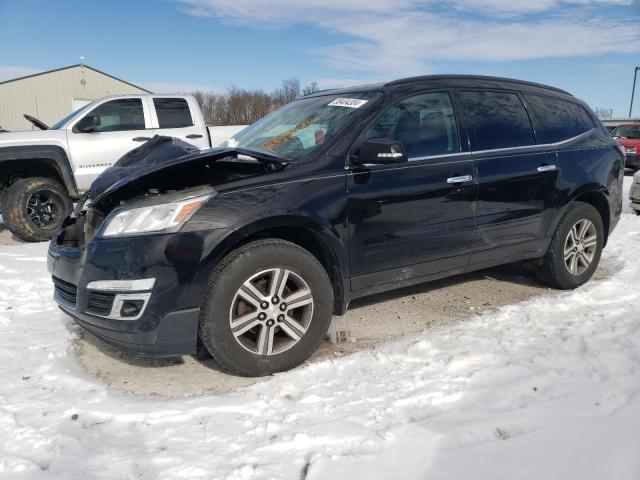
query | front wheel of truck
(34,208)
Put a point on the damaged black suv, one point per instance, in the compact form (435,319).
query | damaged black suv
(249,249)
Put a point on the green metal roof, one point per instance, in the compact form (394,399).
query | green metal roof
(74,66)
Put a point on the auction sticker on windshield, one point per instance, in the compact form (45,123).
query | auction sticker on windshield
(348,102)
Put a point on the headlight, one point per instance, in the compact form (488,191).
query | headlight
(164,217)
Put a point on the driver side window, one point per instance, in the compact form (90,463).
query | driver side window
(425,124)
(119,115)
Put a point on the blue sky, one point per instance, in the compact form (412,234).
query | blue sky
(588,47)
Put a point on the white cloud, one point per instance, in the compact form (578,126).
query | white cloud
(11,72)
(404,36)
(169,87)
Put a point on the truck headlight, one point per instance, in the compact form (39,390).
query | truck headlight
(163,217)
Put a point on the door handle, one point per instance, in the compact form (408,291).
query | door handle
(194,135)
(141,139)
(460,179)
(546,168)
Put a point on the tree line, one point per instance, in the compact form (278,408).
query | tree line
(239,106)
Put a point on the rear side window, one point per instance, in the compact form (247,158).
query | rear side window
(497,120)
(173,112)
(559,120)
(425,125)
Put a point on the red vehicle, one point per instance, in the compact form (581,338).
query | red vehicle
(628,135)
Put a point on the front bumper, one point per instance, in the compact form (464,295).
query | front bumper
(167,325)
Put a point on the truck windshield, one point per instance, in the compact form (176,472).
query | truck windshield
(63,121)
(300,128)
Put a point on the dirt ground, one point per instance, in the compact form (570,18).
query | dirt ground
(370,321)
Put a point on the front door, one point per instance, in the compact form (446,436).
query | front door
(122,126)
(516,177)
(415,219)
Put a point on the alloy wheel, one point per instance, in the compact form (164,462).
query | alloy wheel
(271,311)
(580,246)
(43,208)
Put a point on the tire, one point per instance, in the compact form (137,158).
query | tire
(34,208)
(258,264)
(557,273)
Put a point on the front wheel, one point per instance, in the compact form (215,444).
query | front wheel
(266,308)
(34,208)
(575,248)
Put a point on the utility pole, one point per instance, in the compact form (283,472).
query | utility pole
(633,89)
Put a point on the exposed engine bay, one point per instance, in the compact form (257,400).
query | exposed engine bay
(159,171)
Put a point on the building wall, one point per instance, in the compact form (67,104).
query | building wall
(50,96)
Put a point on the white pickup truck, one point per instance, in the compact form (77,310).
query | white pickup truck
(43,171)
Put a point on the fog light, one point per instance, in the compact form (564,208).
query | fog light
(131,308)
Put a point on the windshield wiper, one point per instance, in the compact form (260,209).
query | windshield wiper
(269,159)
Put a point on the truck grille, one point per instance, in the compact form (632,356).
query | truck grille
(65,293)
(100,303)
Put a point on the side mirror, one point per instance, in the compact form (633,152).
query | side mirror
(88,124)
(380,151)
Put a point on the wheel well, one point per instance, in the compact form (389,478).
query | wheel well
(311,242)
(600,203)
(13,170)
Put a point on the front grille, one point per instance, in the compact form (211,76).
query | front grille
(65,292)
(100,303)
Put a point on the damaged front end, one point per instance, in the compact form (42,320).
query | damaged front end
(123,267)
(156,187)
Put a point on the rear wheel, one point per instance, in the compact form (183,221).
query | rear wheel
(266,308)
(575,248)
(34,208)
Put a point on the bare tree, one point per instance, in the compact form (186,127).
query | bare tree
(238,106)
(602,112)
(288,91)
(309,89)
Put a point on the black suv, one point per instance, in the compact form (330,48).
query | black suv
(252,247)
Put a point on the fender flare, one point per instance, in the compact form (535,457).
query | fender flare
(323,235)
(53,155)
(591,188)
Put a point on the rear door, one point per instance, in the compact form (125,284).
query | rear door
(177,117)
(516,177)
(413,219)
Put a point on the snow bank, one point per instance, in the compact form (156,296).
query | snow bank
(549,388)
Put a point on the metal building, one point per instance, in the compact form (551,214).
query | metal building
(51,95)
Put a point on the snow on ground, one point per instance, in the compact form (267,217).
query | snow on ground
(544,389)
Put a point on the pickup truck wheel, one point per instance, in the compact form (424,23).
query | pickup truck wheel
(575,248)
(34,208)
(266,308)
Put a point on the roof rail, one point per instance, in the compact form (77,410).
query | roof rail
(474,77)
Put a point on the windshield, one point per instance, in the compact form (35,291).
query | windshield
(628,131)
(300,128)
(62,122)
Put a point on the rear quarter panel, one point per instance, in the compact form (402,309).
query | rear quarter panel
(590,163)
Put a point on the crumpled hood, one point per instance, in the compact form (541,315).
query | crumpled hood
(163,156)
